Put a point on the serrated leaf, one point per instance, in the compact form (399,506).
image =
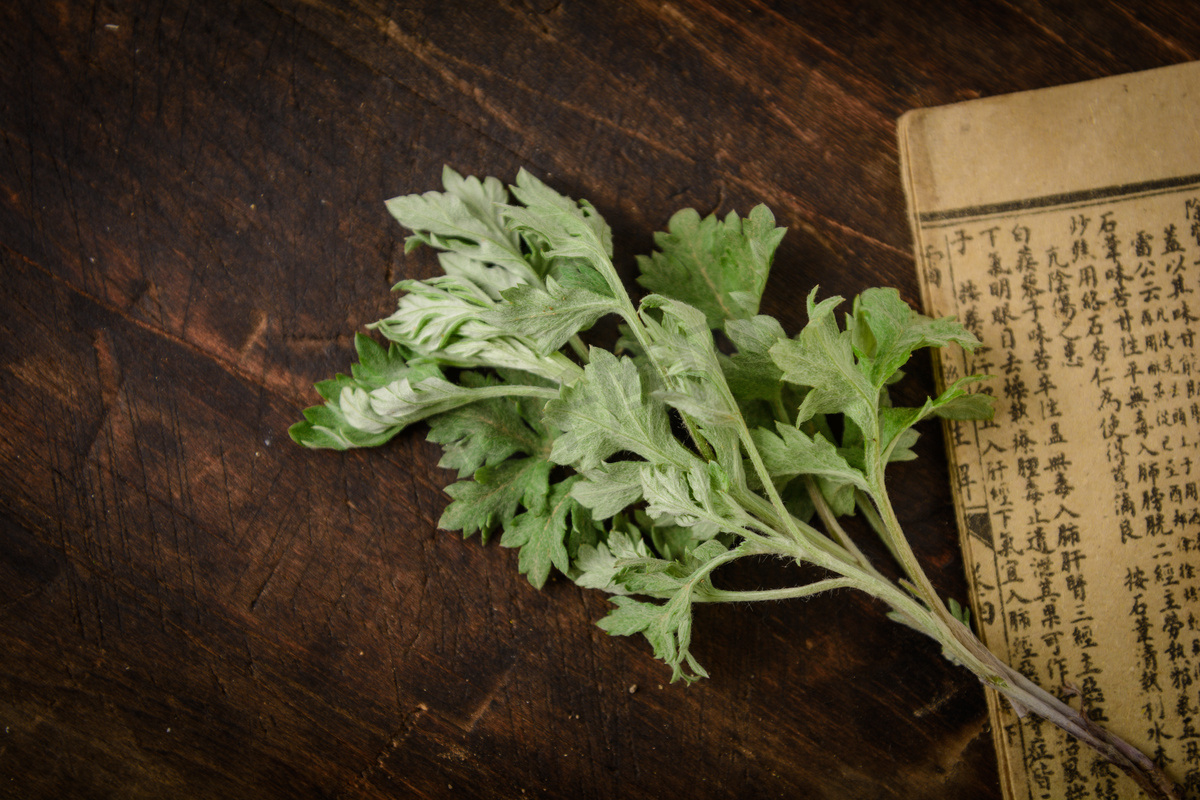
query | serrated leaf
(495,495)
(489,431)
(610,488)
(326,427)
(404,403)
(378,366)
(597,566)
(559,226)
(607,411)
(956,403)
(902,446)
(687,496)
(464,219)
(896,331)
(345,421)
(789,453)
(718,266)
(751,372)
(682,341)
(540,534)
(821,357)
(488,278)
(444,320)
(667,626)
(549,317)
(895,424)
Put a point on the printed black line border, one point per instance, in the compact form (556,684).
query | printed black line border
(1078,198)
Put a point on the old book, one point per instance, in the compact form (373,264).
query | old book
(1062,226)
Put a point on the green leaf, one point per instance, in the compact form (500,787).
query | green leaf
(610,487)
(541,199)
(896,437)
(559,226)
(888,331)
(489,431)
(493,498)
(378,366)
(434,314)
(682,341)
(680,338)
(667,626)
(690,496)
(895,423)
(607,411)
(751,372)
(597,567)
(959,611)
(445,320)
(540,534)
(720,267)
(575,273)
(549,317)
(792,453)
(403,403)
(956,403)
(821,357)
(345,420)
(789,453)
(674,542)
(464,219)
(489,279)
(326,427)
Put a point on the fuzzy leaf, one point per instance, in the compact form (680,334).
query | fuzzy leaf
(667,626)
(493,498)
(718,266)
(464,219)
(751,372)
(445,320)
(549,317)
(610,488)
(597,567)
(340,428)
(566,228)
(489,431)
(607,411)
(821,357)
(686,497)
(896,331)
(540,535)
(789,453)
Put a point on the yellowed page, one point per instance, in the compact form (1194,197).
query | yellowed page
(1063,228)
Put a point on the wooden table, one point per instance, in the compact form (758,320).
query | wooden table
(192,229)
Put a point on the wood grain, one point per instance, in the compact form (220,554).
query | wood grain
(192,229)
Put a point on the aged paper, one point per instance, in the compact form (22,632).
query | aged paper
(1063,228)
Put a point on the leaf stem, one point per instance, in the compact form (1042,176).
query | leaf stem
(835,528)
(867,507)
(579,348)
(715,595)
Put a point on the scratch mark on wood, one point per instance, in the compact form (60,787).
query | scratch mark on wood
(481,708)
(395,741)
(256,335)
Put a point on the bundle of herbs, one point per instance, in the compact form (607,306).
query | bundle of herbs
(640,471)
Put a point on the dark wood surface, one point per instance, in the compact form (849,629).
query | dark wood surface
(192,229)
